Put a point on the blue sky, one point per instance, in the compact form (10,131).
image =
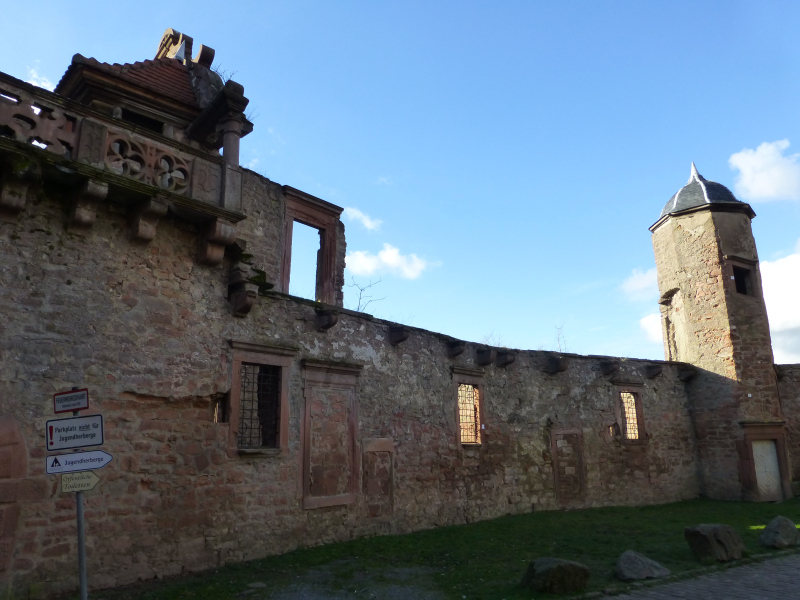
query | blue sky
(514,153)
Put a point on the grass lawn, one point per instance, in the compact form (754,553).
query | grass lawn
(483,560)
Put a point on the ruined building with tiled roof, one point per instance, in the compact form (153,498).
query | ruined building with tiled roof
(141,263)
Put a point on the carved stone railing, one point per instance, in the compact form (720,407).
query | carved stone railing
(107,159)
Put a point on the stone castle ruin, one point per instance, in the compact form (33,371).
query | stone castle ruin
(140,261)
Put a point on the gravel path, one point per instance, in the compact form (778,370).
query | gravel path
(777,579)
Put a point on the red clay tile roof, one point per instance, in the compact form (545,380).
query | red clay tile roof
(166,76)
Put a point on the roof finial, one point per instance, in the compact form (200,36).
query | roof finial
(694,175)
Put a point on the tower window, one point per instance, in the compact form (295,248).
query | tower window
(142,121)
(742,280)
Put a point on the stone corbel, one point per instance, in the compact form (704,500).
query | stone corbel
(555,364)
(325,318)
(485,356)
(15,187)
(242,293)
(145,219)
(687,373)
(505,358)
(455,347)
(219,234)
(609,367)
(398,334)
(84,208)
(653,371)
(13,195)
(244,299)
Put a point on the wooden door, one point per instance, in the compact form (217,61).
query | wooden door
(768,475)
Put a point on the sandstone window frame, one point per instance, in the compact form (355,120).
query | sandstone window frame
(474,377)
(272,356)
(637,391)
(748,275)
(341,377)
(324,217)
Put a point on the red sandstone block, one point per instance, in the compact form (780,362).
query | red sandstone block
(34,489)
(23,564)
(57,550)
(154,425)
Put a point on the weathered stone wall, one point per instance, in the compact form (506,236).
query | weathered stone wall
(722,332)
(146,329)
(789,387)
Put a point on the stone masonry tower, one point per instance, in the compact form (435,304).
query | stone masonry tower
(714,318)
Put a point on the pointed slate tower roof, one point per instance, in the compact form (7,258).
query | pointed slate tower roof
(699,192)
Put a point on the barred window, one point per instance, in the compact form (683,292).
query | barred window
(630,415)
(469,413)
(259,406)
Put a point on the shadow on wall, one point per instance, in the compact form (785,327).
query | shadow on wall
(13,468)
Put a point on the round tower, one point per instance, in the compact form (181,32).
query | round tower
(714,318)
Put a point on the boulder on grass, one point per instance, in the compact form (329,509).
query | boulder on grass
(714,542)
(632,566)
(556,576)
(780,533)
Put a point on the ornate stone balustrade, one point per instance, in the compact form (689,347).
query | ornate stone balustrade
(107,159)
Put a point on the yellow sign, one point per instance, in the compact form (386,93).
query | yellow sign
(79,482)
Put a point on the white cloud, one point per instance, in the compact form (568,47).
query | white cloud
(641,285)
(39,80)
(252,164)
(408,266)
(766,173)
(356,215)
(781,282)
(384,181)
(651,325)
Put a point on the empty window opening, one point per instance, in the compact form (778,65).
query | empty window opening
(219,412)
(306,243)
(259,406)
(9,97)
(741,277)
(630,415)
(469,413)
(142,121)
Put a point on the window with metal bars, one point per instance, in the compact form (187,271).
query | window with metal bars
(469,413)
(630,415)
(259,406)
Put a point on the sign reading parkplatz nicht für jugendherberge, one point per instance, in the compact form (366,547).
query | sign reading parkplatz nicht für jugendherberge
(79,461)
(74,432)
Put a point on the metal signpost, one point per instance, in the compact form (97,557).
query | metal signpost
(76,468)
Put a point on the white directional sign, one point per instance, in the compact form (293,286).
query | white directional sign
(70,401)
(79,461)
(75,432)
(79,482)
